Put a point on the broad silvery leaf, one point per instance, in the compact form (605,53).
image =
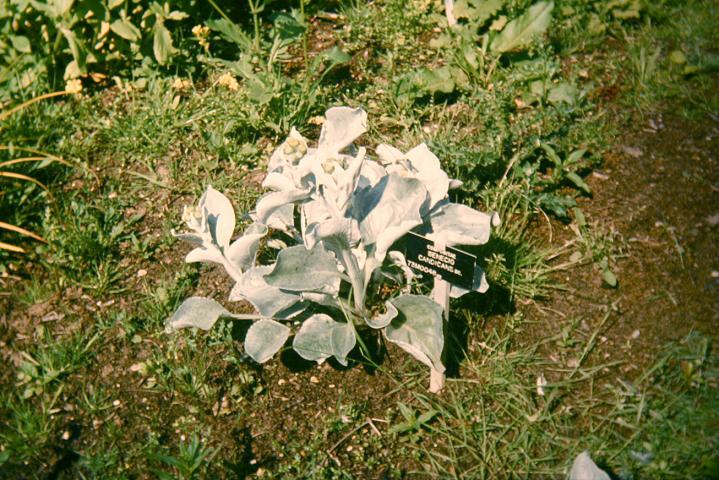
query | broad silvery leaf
(205,254)
(584,468)
(269,203)
(370,173)
(264,338)
(342,126)
(418,329)
(429,172)
(326,299)
(419,163)
(381,320)
(220,215)
(278,182)
(197,312)
(388,211)
(336,233)
(479,284)
(343,340)
(298,269)
(283,219)
(243,251)
(267,299)
(211,223)
(457,224)
(519,32)
(314,341)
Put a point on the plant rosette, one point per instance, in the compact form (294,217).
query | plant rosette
(343,213)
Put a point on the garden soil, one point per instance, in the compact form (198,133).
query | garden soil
(657,189)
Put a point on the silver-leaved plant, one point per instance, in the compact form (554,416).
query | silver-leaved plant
(345,213)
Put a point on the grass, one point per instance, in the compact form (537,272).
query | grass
(98,389)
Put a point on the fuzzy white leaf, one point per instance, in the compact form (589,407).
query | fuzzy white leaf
(268,300)
(479,284)
(278,182)
(342,126)
(383,319)
(197,312)
(220,216)
(418,329)
(204,254)
(243,251)
(271,202)
(264,338)
(299,270)
(457,224)
(388,154)
(343,340)
(429,172)
(314,339)
(389,210)
(584,468)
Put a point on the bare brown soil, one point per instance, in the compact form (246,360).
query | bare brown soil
(657,195)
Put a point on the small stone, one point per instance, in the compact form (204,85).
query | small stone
(314,379)
(66,435)
(116,403)
(141,272)
(541,383)
(632,151)
(713,220)
(281,381)
(635,334)
(715,274)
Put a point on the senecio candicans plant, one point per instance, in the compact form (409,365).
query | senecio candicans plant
(344,212)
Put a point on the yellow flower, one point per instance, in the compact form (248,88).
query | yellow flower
(73,86)
(229,81)
(202,34)
(181,84)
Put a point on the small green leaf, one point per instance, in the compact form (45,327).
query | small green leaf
(335,55)
(77,48)
(125,29)
(575,156)
(579,216)
(551,154)
(176,15)
(609,278)
(578,181)
(62,6)
(563,92)
(521,31)
(436,81)
(20,43)
(678,57)
(162,43)
(427,416)
(231,32)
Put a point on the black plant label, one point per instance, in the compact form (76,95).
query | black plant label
(450,264)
